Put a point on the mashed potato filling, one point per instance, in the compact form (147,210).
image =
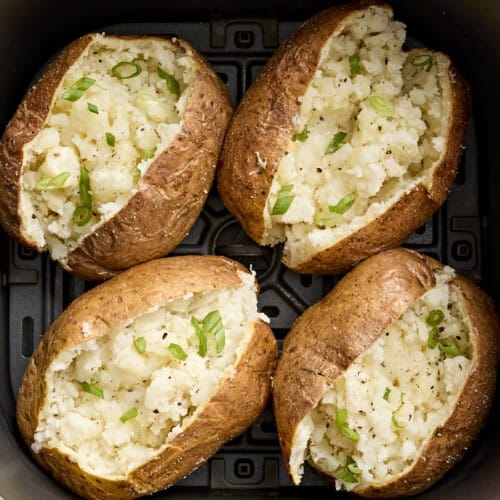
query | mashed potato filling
(372,124)
(117,107)
(143,391)
(373,422)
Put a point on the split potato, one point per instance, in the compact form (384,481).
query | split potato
(385,383)
(143,378)
(345,143)
(110,157)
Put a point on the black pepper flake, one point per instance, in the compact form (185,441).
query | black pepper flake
(319,170)
(441,328)
(458,337)
(382,364)
(374,436)
(156,411)
(33,216)
(327,425)
(379,128)
(386,334)
(321,118)
(164,336)
(179,403)
(388,152)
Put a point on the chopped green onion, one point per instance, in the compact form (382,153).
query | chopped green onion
(300,136)
(382,106)
(435,317)
(126,69)
(343,426)
(172,84)
(85,198)
(149,154)
(82,215)
(449,347)
(78,88)
(345,203)
(336,143)
(386,393)
(110,139)
(129,415)
(93,108)
(326,218)
(354,64)
(283,200)
(136,173)
(211,324)
(50,183)
(140,345)
(348,473)
(395,422)
(92,389)
(177,352)
(432,340)
(202,339)
(423,61)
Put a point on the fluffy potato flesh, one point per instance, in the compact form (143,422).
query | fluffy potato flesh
(119,105)
(147,381)
(372,125)
(374,421)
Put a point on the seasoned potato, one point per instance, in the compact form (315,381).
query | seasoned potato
(384,384)
(110,157)
(144,377)
(346,143)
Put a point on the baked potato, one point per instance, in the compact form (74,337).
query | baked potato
(345,143)
(384,384)
(144,377)
(109,158)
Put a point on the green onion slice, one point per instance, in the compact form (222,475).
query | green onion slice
(149,154)
(78,88)
(343,426)
(423,61)
(326,218)
(172,84)
(435,317)
(336,143)
(136,173)
(82,215)
(126,69)
(85,198)
(110,139)
(92,389)
(177,351)
(51,183)
(395,422)
(93,108)
(432,340)
(283,200)
(387,392)
(345,203)
(211,324)
(354,64)
(300,136)
(348,473)
(202,339)
(140,345)
(129,415)
(382,106)
(449,347)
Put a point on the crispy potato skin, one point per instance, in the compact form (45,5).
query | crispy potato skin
(170,195)
(236,404)
(263,122)
(330,335)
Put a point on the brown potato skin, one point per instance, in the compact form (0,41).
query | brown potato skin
(263,122)
(170,195)
(330,335)
(235,405)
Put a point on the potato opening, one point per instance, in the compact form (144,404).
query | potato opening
(373,422)
(115,402)
(372,125)
(118,107)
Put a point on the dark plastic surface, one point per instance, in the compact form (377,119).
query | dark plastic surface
(35,290)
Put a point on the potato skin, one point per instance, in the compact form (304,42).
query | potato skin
(235,405)
(170,195)
(330,335)
(263,123)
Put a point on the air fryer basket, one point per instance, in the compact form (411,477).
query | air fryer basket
(238,39)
